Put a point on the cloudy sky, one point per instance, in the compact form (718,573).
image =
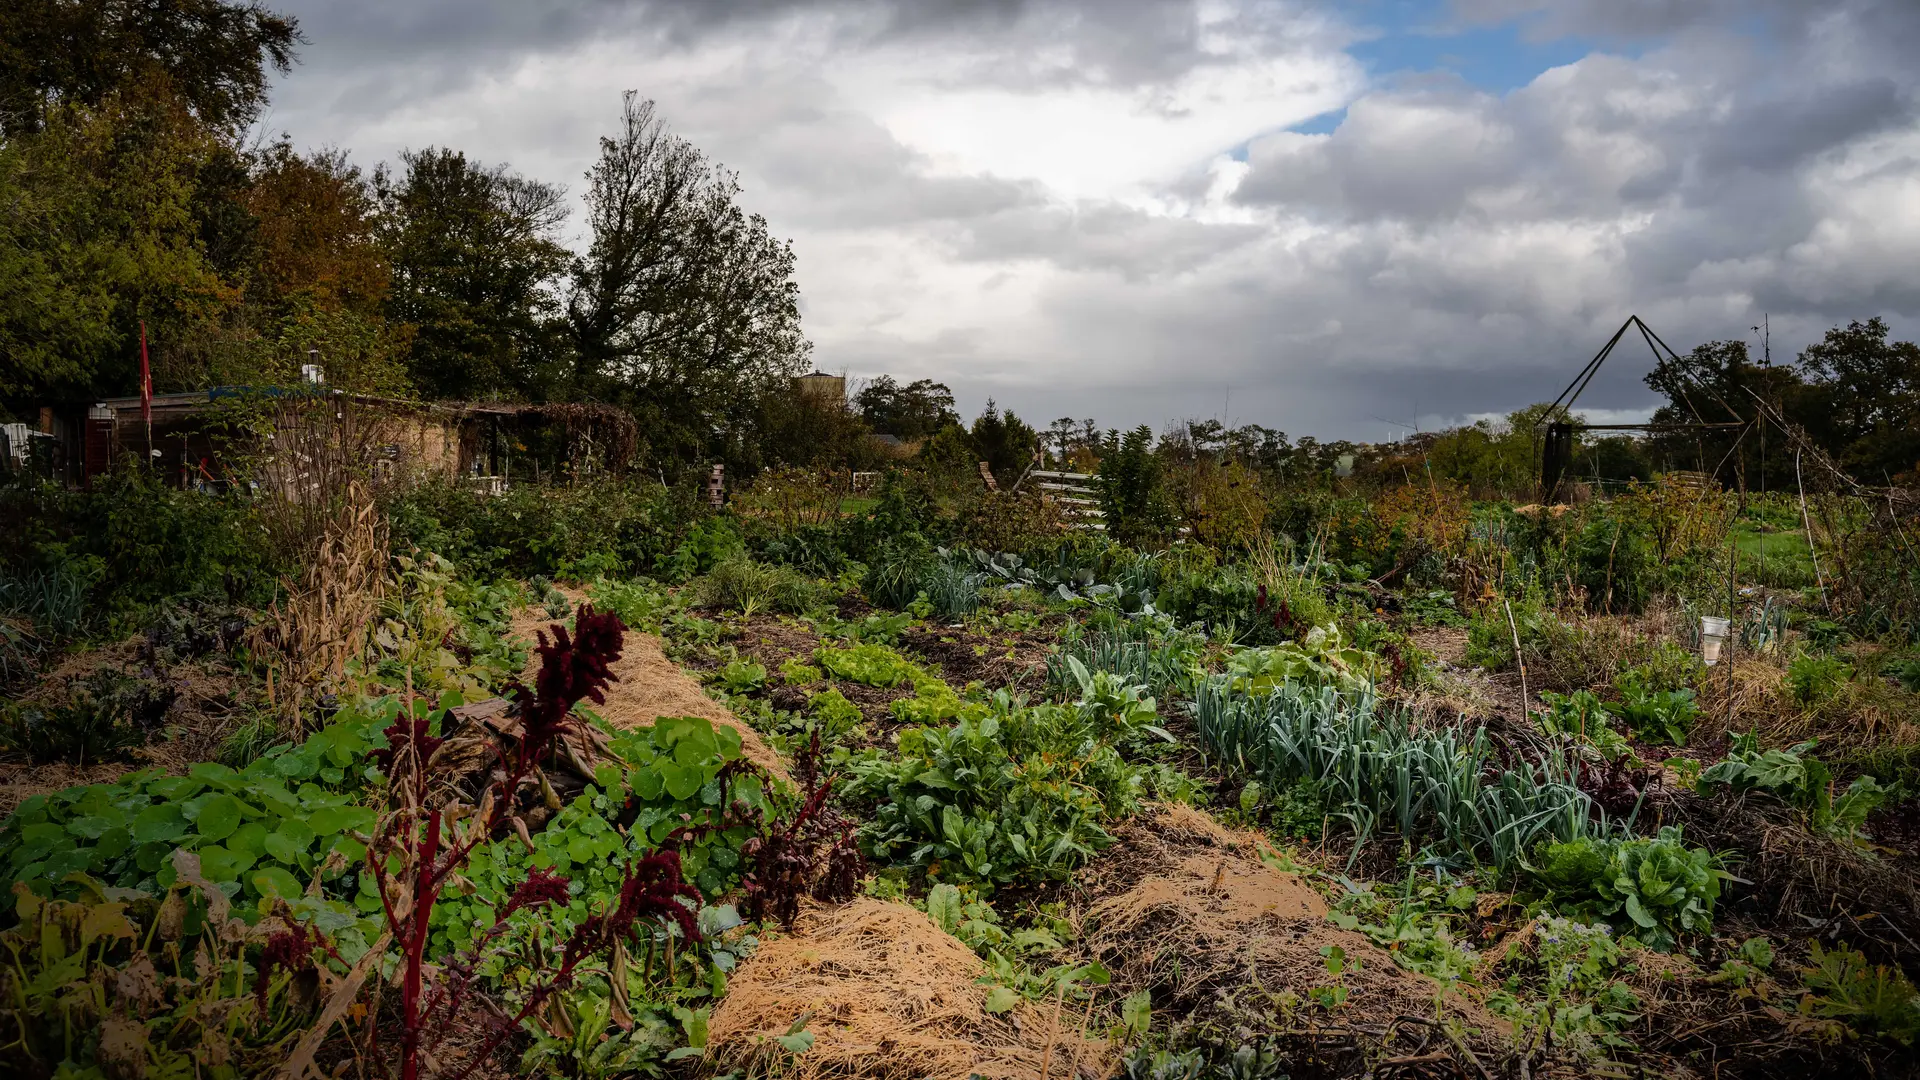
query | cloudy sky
(1329,218)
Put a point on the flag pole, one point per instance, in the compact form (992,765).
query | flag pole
(146,392)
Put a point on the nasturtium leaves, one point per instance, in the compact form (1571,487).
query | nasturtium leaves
(218,817)
(281,846)
(273,880)
(161,821)
(90,826)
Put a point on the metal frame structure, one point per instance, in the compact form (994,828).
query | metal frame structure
(1557,457)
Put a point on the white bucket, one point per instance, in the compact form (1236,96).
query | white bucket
(1713,634)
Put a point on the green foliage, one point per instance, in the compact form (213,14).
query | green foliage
(1615,564)
(1377,769)
(133,542)
(1133,494)
(833,714)
(1009,953)
(1146,651)
(263,831)
(1416,926)
(795,673)
(547,529)
(1210,1060)
(952,586)
(640,603)
(1876,999)
(1432,607)
(1813,678)
(1655,714)
(748,587)
(743,677)
(92,719)
(1320,659)
(896,570)
(1580,716)
(1652,889)
(1583,1006)
(191,982)
(1003,792)
(870,664)
(1798,778)
(1747,965)
(586,1043)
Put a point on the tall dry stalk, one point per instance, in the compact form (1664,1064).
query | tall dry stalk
(315,502)
(307,637)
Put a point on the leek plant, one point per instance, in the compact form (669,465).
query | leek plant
(1377,772)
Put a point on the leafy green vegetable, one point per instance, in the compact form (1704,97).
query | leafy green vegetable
(868,663)
(1796,777)
(1649,888)
(256,828)
(1004,791)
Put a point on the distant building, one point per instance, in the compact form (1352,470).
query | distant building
(193,434)
(822,387)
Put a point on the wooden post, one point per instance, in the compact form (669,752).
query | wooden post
(716,486)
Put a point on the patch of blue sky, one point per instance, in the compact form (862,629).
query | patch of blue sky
(1408,38)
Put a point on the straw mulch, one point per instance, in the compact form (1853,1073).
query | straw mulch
(1187,908)
(651,686)
(887,993)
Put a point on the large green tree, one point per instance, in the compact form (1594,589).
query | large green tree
(215,55)
(684,307)
(474,263)
(100,233)
(913,411)
(1864,399)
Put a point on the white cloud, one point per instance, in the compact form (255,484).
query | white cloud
(1040,202)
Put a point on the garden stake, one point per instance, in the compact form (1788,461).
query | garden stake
(1733,614)
(1526,699)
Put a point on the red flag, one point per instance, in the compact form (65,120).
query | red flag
(146,378)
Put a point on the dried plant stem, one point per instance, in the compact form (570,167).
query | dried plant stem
(1526,699)
(1053,1030)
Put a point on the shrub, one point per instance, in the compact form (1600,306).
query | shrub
(952,586)
(898,567)
(1133,495)
(98,718)
(1616,566)
(1006,520)
(557,529)
(740,584)
(133,541)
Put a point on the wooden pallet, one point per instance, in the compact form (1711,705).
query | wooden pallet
(1076,494)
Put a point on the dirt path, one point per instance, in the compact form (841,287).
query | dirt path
(652,686)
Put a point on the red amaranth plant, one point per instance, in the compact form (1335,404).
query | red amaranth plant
(811,853)
(432,845)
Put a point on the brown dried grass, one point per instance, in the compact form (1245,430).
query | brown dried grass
(889,994)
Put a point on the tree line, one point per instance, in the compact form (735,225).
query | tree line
(135,195)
